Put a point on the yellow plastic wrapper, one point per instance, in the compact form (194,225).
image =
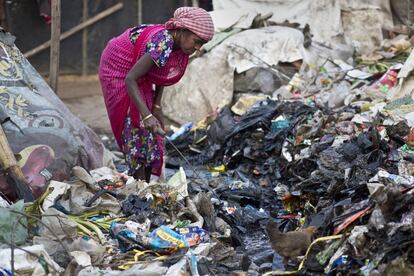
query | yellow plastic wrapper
(221,168)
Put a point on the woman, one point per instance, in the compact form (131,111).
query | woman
(134,68)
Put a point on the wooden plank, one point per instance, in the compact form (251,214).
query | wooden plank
(55,46)
(76,29)
(85,39)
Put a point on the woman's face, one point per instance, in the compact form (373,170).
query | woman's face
(190,42)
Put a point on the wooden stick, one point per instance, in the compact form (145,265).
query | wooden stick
(3,20)
(16,177)
(85,39)
(55,46)
(76,29)
(139,12)
(7,158)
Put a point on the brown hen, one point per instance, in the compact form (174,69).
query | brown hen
(291,244)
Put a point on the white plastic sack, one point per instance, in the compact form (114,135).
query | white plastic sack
(209,80)
(330,21)
(24,262)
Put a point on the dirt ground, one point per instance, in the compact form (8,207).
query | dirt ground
(82,95)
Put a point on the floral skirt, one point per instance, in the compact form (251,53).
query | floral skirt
(140,147)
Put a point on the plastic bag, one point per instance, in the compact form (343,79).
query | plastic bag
(13,224)
(179,183)
(183,129)
(127,239)
(194,235)
(165,240)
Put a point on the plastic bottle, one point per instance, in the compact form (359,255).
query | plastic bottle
(183,129)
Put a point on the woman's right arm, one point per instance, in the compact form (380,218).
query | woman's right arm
(140,69)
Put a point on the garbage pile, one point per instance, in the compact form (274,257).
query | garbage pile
(302,182)
(106,223)
(315,178)
(332,150)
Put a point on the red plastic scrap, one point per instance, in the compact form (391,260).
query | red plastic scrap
(350,220)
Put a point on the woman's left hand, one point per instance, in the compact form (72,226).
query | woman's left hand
(157,112)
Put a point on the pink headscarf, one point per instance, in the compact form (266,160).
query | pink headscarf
(194,19)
